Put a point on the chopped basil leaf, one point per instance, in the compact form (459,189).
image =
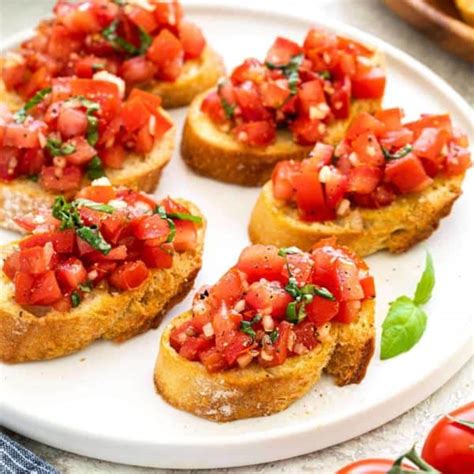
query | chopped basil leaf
(145,41)
(315,290)
(229,109)
(160,210)
(292,287)
(94,205)
(246,326)
(274,336)
(57,148)
(94,169)
(98,66)
(397,155)
(284,251)
(94,238)
(182,216)
(290,70)
(120,3)
(92,129)
(86,287)
(75,299)
(326,75)
(20,115)
(110,34)
(406,321)
(69,216)
(33,177)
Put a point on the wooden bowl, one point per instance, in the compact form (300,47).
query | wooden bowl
(440,21)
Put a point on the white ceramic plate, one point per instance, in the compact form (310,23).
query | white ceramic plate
(101,401)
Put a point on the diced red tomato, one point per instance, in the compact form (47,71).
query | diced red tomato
(212,106)
(299,266)
(306,131)
(129,275)
(192,39)
(369,83)
(274,94)
(392,118)
(407,174)
(250,70)
(430,143)
(321,310)
(368,149)
(36,260)
(157,257)
(168,13)
(23,285)
(364,179)
(282,51)
(261,133)
(152,227)
(281,179)
(311,95)
(213,360)
(458,160)
(281,346)
(11,265)
(364,123)
(142,18)
(63,241)
(84,152)
(368,285)
(70,274)
(251,105)
(134,114)
(45,289)
(229,288)
(348,312)
(335,188)
(137,70)
(186,236)
(68,180)
(167,53)
(193,346)
(270,296)
(306,334)
(261,261)
(19,135)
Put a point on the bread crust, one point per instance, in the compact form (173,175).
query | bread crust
(254,391)
(197,76)
(114,316)
(139,172)
(215,153)
(408,220)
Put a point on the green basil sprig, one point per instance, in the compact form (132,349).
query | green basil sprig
(96,206)
(246,326)
(402,152)
(20,115)
(406,321)
(95,168)
(229,109)
(290,71)
(182,216)
(121,44)
(57,148)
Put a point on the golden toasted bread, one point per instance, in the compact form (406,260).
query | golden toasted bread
(408,220)
(255,391)
(25,336)
(213,152)
(197,76)
(466,9)
(139,172)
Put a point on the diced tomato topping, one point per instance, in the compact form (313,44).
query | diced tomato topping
(369,84)
(269,296)
(192,39)
(72,122)
(71,273)
(229,288)
(167,53)
(137,70)
(407,174)
(129,275)
(261,261)
(282,51)
(260,133)
(67,179)
(45,290)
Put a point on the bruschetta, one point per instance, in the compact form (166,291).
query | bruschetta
(107,265)
(278,109)
(147,43)
(259,339)
(386,185)
(75,131)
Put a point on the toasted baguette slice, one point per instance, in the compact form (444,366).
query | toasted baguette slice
(408,220)
(254,391)
(21,196)
(215,153)
(197,76)
(25,336)
(466,9)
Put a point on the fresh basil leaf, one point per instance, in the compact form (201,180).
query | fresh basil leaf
(291,313)
(94,238)
(57,148)
(182,216)
(402,152)
(290,70)
(120,3)
(274,336)
(326,75)
(94,169)
(75,299)
(33,177)
(246,326)
(467,423)
(172,233)
(403,327)
(119,43)
(284,251)
(292,288)
(66,213)
(94,205)
(425,286)
(86,287)
(20,115)
(145,41)
(92,135)
(98,66)
(315,290)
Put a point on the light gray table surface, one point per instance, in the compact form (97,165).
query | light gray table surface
(398,435)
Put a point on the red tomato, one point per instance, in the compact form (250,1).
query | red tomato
(407,174)
(250,70)
(434,121)
(271,296)
(368,285)
(23,285)
(8,163)
(63,241)
(364,123)
(167,53)
(321,310)
(11,265)
(111,227)
(261,261)
(213,360)
(13,76)
(212,106)
(448,446)
(68,181)
(392,118)
(137,70)
(309,195)
(335,188)
(168,13)
(186,236)
(430,142)
(282,51)
(369,83)
(261,133)
(129,275)
(193,346)
(72,122)
(305,333)
(70,274)
(142,18)
(370,466)
(340,100)
(274,94)
(364,179)
(251,105)
(306,131)
(152,227)
(134,114)
(145,140)
(395,139)
(151,101)
(102,194)
(113,157)
(192,39)
(225,326)
(236,346)
(458,160)
(36,260)
(19,135)
(45,290)
(311,95)
(298,265)
(229,289)
(282,178)
(84,152)
(280,346)
(368,150)
(348,312)
(157,257)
